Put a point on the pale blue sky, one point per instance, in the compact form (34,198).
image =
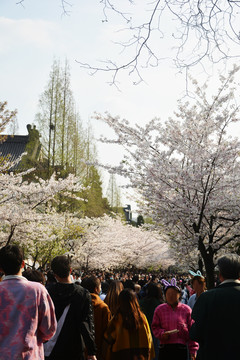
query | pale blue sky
(30,38)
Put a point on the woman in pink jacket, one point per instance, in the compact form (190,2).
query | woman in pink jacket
(171,324)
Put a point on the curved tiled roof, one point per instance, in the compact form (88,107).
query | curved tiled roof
(13,146)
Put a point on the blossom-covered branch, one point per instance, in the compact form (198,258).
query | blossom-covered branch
(188,171)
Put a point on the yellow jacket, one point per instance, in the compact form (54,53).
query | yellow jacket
(123,344)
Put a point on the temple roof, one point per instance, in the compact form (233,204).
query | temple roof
(13,146)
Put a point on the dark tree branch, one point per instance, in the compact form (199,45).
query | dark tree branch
(214,25)
(132,65)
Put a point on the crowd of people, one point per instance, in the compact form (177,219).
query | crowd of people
(63,315)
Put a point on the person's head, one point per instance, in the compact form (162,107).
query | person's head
(198,284)
(61,266)
(154,279)
(129,309)
(92,284)
(129,284)
(154,291)
(172,292)
(111,299)
(11,259)
(172,284)
(135,278)
(137,288)
(229,267)
(105,287)
(50,278)
(116,286)
(172,295)
(34,275)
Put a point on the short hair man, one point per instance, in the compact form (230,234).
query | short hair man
(27,317)
(217,314)
(77,324)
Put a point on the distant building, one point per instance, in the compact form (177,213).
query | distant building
(128,213)
(14,146)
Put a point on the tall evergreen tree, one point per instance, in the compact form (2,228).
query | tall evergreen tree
(67,145)
(114,194)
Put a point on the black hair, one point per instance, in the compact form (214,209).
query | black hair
(105,286)
(61,266)
(129,284)
(11,258)
(172,287)
(229,266)
(34,275)
(154,291)
(91,283)
(135,278)
(50,278)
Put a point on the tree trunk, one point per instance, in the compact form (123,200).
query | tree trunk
(209,266)
(200,264)
(50,126)
(207,257)
(13,227)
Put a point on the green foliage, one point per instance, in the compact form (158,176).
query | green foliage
(42,252)
(95,205)
(62,238)
(152,269)
(67,146)
(118,210)
(113,193)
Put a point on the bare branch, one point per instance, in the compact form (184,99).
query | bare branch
(65,5)
(20,3)
(139,40)
(201,31)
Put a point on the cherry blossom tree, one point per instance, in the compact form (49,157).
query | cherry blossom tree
(49,235)
(109,242)
(7,117)
(29,218)
(187,171)
(23,203)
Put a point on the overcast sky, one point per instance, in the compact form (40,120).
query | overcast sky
(31,36)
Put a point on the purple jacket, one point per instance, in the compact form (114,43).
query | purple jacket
(27,319)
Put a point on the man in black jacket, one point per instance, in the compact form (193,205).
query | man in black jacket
(73,307)
(217,315)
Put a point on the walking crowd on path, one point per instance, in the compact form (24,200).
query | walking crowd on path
(116,316)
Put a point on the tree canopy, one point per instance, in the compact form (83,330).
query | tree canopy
(188,173)
(68,146)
